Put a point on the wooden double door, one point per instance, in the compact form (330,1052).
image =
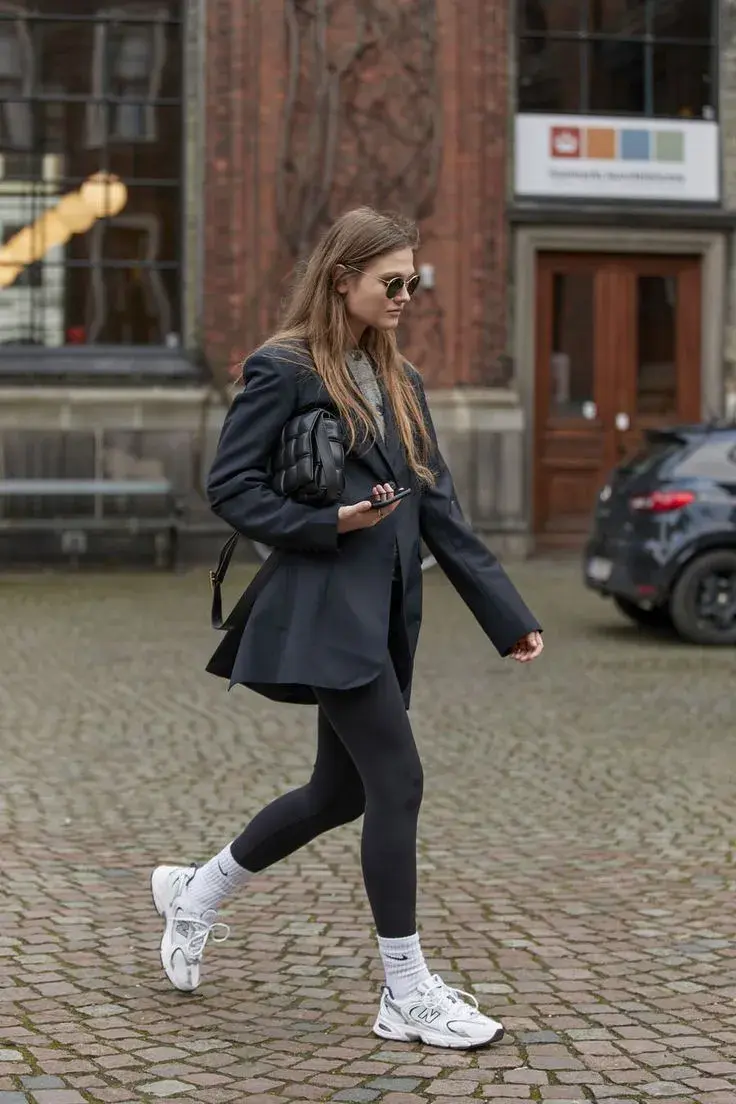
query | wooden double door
(618,351)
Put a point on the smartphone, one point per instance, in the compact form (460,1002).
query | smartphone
(401,493)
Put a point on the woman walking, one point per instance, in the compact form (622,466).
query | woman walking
(336,621)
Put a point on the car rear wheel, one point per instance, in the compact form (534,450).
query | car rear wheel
(703,604)
(657,618)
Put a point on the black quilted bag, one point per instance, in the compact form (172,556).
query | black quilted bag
(308,466)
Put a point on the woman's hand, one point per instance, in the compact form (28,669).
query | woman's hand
(528,648)
(361,515)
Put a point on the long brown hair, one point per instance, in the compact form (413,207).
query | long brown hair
(315,315)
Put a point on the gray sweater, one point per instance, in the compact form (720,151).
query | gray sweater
(364,374)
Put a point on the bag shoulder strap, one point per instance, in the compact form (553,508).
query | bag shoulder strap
(217,577)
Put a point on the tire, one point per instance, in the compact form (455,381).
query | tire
(703,603)
(657,618)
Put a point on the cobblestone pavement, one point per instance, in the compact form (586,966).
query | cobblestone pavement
(577,862)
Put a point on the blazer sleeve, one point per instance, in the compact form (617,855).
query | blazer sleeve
(238,485)
(473,570)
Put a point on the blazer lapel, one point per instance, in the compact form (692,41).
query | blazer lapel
(375,455)
(392,443)
(384,456)
(391,448)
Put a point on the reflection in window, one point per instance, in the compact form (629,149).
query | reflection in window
(611,57)
(572,369)
(128,65)
(16,79)
(626,18)
(93,95)
(617,77)
(541,16)
(31,294)
(683,19)
(550,75)
(657,345)
(32,275)
(132,306)
(682,82)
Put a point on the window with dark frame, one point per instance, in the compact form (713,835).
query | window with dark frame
(90,172)
(650,58)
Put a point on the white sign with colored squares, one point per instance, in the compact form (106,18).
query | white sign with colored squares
(594,158)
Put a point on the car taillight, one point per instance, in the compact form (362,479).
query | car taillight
(661,502)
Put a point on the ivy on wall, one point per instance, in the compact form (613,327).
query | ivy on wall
(361,124)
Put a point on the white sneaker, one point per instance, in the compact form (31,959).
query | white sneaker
(186,933)
(436,1015)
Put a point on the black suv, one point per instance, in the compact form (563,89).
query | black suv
(663,544)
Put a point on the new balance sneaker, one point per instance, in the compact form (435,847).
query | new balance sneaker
(436,1015)
(185,933)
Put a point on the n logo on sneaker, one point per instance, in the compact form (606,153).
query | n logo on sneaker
(425,1015)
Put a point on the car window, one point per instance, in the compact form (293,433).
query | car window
(715,459)
(651,454)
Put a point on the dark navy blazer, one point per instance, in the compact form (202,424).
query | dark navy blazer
(321,618)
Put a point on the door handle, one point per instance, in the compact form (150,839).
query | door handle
(623,421)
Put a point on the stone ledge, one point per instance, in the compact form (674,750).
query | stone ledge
(91,408)
(43,394)
(453,410)
(464,409)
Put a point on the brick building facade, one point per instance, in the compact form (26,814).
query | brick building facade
(557,318)
(406,107)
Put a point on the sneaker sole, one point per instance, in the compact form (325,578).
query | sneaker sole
(406,1034)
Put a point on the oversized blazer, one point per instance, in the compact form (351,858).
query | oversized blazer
(318,613)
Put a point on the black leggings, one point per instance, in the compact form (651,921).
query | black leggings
(367,762)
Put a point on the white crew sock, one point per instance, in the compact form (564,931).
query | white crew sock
(404,964)
(213,882)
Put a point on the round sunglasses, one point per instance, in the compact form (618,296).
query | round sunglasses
(393,286)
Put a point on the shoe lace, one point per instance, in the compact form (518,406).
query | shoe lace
(442,996)
(194,931)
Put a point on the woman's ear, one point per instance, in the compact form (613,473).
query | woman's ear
(340,279)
